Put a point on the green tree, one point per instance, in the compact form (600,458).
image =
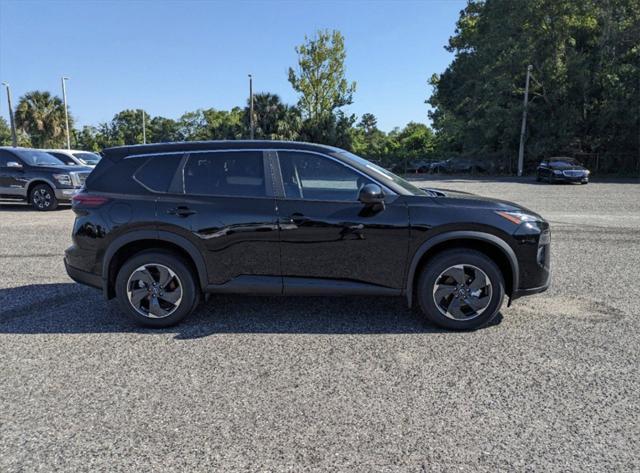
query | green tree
(163,130)
(126,127)
(274,120)
(585,58)
(320,79)
(5,133)
(41,116)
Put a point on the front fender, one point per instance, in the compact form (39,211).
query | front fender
(498,242)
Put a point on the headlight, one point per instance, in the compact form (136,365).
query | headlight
(64,179)
(518,217)
(557,172)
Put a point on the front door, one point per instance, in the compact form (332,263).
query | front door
(326,233)
(12,180)
(227,207)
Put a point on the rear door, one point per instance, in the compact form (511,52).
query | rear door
(327,234)
(225,201)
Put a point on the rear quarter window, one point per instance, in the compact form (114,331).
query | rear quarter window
(117,177)
(157,172)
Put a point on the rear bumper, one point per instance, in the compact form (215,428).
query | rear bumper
(83,277)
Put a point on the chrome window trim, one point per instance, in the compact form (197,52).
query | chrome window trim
(387,190)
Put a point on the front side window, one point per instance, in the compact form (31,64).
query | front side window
(239,173)
(313,177)
(38,158)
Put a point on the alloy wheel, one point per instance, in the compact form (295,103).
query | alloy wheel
(154,290)
(462,292)
(42,198)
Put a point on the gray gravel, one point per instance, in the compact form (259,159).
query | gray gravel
(338,384)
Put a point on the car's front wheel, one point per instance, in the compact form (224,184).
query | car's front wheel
(42,197)
(156,288)
(461,289)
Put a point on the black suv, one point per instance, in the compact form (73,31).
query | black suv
(38,177)
(158,226)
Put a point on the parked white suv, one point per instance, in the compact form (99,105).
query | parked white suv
(73,157)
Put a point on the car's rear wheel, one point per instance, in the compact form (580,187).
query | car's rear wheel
(156,288)
(461,289)
(42,197)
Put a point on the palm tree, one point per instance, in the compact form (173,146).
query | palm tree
(268,113)
(41,116)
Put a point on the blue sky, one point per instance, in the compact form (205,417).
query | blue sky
(169,56)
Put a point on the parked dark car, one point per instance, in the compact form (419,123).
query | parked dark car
(158,226)
(38,177)
(562,170)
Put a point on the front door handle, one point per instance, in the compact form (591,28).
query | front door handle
(181,211)
(299,219)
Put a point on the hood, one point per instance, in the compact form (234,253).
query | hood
(63,168)
(466,199)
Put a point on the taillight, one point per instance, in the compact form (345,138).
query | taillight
(88,200)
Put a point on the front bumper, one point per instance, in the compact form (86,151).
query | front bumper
(563,178)
(66,194)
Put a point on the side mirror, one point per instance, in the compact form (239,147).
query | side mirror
(371,194)
(13,164)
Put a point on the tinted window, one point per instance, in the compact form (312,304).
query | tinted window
(38,158)
(117,177)
(5,157)
(313,177)
(64,158)
(88,158)
(225,173)
(157,173)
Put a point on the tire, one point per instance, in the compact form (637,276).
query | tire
(176,299)
(434,293)
(538,178)
(43,198)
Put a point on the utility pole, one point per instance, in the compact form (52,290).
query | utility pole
(144,129)
(66,111)
(524,122)
(14,138)
(251,123)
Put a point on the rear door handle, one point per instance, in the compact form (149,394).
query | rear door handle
(181,211)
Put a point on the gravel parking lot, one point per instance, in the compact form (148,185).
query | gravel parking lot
(339,384)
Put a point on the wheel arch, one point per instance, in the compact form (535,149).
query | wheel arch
(128,245)
(491,245)
(36,181)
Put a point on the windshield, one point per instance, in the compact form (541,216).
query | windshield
(88,158)
(564,162)
(38,158)
(382,174)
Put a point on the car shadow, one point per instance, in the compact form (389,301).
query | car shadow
(72,308)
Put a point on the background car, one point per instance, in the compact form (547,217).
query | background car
(74,157)
(38,177)
(562,169)
(459,166)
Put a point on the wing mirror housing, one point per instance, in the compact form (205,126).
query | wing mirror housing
(371,195)
(14,164)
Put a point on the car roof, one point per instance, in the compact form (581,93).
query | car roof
(67,150)
(120,152)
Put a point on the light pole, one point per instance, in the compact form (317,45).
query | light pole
(251,123)
(66,111)
(14,138)
(524,122)
(144,128)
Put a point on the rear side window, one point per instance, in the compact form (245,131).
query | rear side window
(117,177)
(239,173)
(157,172)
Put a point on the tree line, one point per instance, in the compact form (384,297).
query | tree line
(584,94)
